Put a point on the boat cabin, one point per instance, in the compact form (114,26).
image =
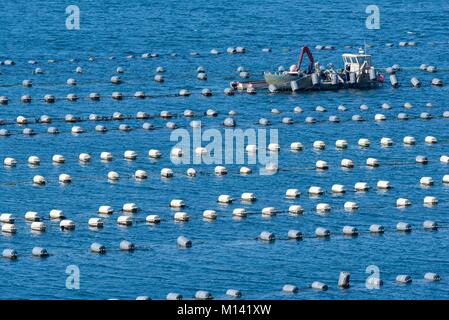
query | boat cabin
(355,62)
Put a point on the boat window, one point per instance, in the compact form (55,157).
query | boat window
(367,59)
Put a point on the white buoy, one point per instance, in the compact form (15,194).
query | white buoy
(341,144)
(39,252)
(140,174)
(106,156)
(97,248)
(56,214)
(343,279)
(295,209)
(124,220)
(65,178)
(296,146)
(430,276)
(116,80)
(38,226)
(248,196)
(177,203)
(34,160)
(130,155)
(383,184)
(245,170)
(95,222)
(173,296)
(322,232)
(182,241)
(57,158)
(239,212)
(292,193)
(320,164)
(176,152)
(372,162)
(294,234)
(361,186)
(9,228)
(380,117)
(200,151)
(430,140)
(409,140)
(403,226)
(426,181)
(21,120)
(184,93)
(10,162)
(181,216)
(376,228)
(191,172)
(166,172)
(319,145)
(350,205)
(323,207)
(290,288)
(444,159)
(269,211)
(32,216)
(338,188)
(130,207)
(429,200)
(154,153)
(220,170)
(9,254)
(113,176)
(105,210)
(234,293)
(251,148)
(84,157)
(402,278)
(77,130)
(153,218)
(267,236)
(403,202)
(7,218)
(430,225)
(346,163)
(363,142)
(48,98)
(224,198)
(314,190)
(350,231)
(203,295)
(39,180)
(273,147)
(210,214)
(26,98)
(67,224)
(386,142)
(319,286)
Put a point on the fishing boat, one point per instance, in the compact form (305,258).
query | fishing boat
(357,72)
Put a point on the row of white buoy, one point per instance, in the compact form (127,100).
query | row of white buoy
(49,98)
(221,170)
(182,241)
(356,118)
(117,116)
(343,108)
(228,122)
(141,115)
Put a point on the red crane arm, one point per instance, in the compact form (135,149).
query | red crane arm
(306,50)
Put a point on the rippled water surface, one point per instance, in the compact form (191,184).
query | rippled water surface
(225,253)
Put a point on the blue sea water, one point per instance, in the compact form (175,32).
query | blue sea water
(225,253)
